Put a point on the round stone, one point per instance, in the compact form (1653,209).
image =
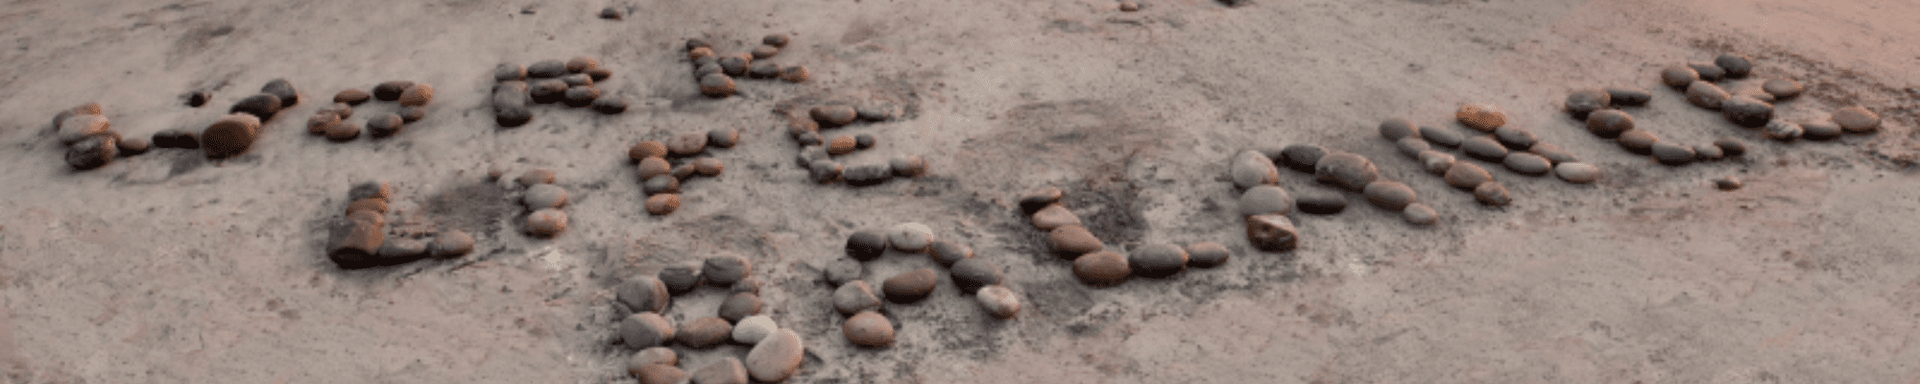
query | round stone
(1708,71)
(680,279)
(646,149)
(92,153)
(1630,95)
(1321,202)
(384,125)
(1528,164)
(734,65)
(652,167)
(1346,170)
(1821,130)
(645,330)
(687,144)
(1708,152)
(659,374)
(998,301)
(1732,147)
(1577,173)
(1272,233)
(972,273)
(263,106)
(1465,175)
(546,91)
(1264,199)
(417,95)
(752,329)
(1737,66)
(1672,154)
(739,306)
(868,329)
(1679,76)
(1420,214)
(1746,111)
(1072,241)
(509,72)
(833,115)
(776,357)
(1585,101)
(1481,116)
(1442,136)
(1782,89)
(725,270)
(1706,95)
(705,332)
(411,114)
(717,85)
(643,294)
(1207,254)
(1101,269)
(763,70)
(1398,128)
(536,176)
(546,69)
(863,141)
(1250,168)
(1484,148)
(1390,195)
(1638,141)
(580,96)
(907,165)
(1157,260)
(352,96)
(1515,138)
(1783,131)
(1609,123)
(391,90)
(795,74)
(948,252)
(661,184)
(708,166)
(544,196)
(866,245)
(1856,120)
(776,39)
(1492,194)
(764,52)
(1436,162)
(652,356)
(1302,157)
(911,286)
(910,237)
(133,146)
(855,296)
(321,121)
(451,244)
(1553,152)
(844,270)
(1412,146)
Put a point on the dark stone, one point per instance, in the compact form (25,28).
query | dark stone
(1679,76)
(1272,233)
(863,141)
(725,270)
(870,174)
(972,273)
(1736,66)
(1034,200)
(1320,202)
(874,112)
(1157,260)
(412,114)
(739,306)
(580,96)
(93,152)
(763,70)
(546,69)
(1527,163)
(385,125)
(1585,101)
(1731,147)
(910,287)
(948,252)
(262,105)
(1515,138)
(1708,71)
(1346,170)
(1442,136)
(1820,130)
(282,89)
(1638,141)
(643,294)
(1672,154)
(1630,96)
(198,98)
(1398,128)
(391,90)
(1207,254)
(1747,112)
(1302,157)
(1484,148)
(866,245)
(509,72)
(1609,123)
(610,105)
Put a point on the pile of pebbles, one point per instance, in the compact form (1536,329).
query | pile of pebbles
(90,139)
(1750,103)
(1096,266)
(775,353)
(569,82)
(545,202)
(818,154)
(867,324)
(331,121)
(365,239)
(715,73)
(660,176)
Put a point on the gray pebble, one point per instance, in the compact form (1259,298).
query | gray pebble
(645,330)
(717,86)
(1484,148)
(546,69)
(1398,128)
(1732,147)
(854,297)
(131,146)
(509,72)
(1746,111)
(863,141)
(1630,96)
(643,294)
(1638,141)
(1582,102)
(546,91)
(390,90)
(1250,169)
(1736,66)
(400,250)
(725,270)
(1553,152)
(451,244)
(680,279)
(282,89)
(723,137)
(1727,183)
(1413,146)
(1782,89)
(1346,170)
(1515,138)
(581,96)
(661,184)
(735,65)
(948,252)
(1708,71)
(1708,152)
(544,196)
(866,244)
(610,105)
(908,165)
(1820,130)
(833,115)
(1157,260)
(1207,254)
(776,39)
(874,112)
(865,175)
(972,273)
(844,270)
(1856,120)
(825,171)
(93,152)
(1527,163)
(412,114)
(1706,95)
(385,124)
(1609,123)
(739,306)
(1442,136)
(263,106)
(1390,195)
(1672,154)
(1033,201)
(1302,157)
(763,70)
(1465,175)
(1270,233)
(1265,199)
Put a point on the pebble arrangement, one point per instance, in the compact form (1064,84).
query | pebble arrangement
(569,82)
(853,297)
(715,73)
(1096,266)
(545,201)
(90,139)
(332,122)
(1750,105)
(366,240)
(817,153)
(775,353)
(660,178)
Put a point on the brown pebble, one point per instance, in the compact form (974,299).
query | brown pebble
(1582,102)
(546,222)
(1708,71)
(1706,95)
(352,96)
(1856,120)
(1156,260)
(841,145)
(417,95)
(321,121)
(1484,148)
(776,39)
(709,166)
(1072,241)
(536,176)
(1727,183)
(1102,269)
(1679,76)
(1527,163)
(1465,175)
(910,287)
(723,137)
(1128,6)
(796,74)
(660,374)
(652,356)
(1821,130)
(1481,116)
(776,357)
(1207,254)
(687,144)
(868,329)
(1272,233)
(344,131)
(1390,195)
(1782,89)
(855,296)
(1638,141)
(652,167)
(1397,128)
(376,205)
(133,146)
(1553,152)
(451,244)
(1492,193)
(646,149)
(717,86)
(1039,198)
(765,52)
(645,330)
(1419,214)
(907,165)
(230,136)
(1054,216)
(947,252)
(1346,170)
(739,306)
(1609,123)
(698,52)
(662,204)
(833,115)
(727,370)
(643,294)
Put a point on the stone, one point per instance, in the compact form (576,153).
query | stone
(1737,66)
(795,74)
(735,65)
(419,94)
(739,306)
(910,237)
(352,96)
(679,279)
(1481,116)
(1412,146)
(723,271)
(778,40)
(812,139)
(1250,169)
(1072,241)
(1706,95)
(869,174)
(1727,183)
(659,374)
(841,145)
(1553,152)
(972,273)
(643,294)
(547,69)
(1484,148)
(412,114)
(509,72)
(1610,123)
(911,286)
(1856,120)
(385,124)
(283,90)
(1321,202)
(866,244)
(1265,199)
(1272,233)
(1679,76)
(694,43)
(908,165)
(1436,162)
(652,167)
(546,222)
(1207,254)
(874,112)
(1515,138)
(863,141)
(948,252)
(698,53)
(1419,214)
(1582,102)
(391,90)
(1638,141)
(1732,147)
(1056,216)
(342,109)
(868,329)
(764,52)
(645,330)
(370,204)
(547,91)
(1631,96)
(177,138)
(727,370)
(645,149)
(1821,130)
(401,250)
(1492,194)
(1465,175)
(652,356)
(1040,198)
(1442,136)
(717,86)
(1527,163)
(1782,89)
(581,96)
(998,301)
(1128,6)
(776,357)
(1708,152)
(1672,154)
(579,64)
(1101,269)
(855,296)
(1783,131)
(1708,71)
(763,70)
(92,153)
(752,329)
(661,184)
(842,271)
(353,245)
(543,196)
(1157,260)
(370,190)
(198,98)
(708,166)
(1346,170)
(82,127)
(536,176)
(1302,157)
(230,136)
(321,121)
(263,106)
(833,115)
(1746,111)
(1390,195)
(132,146)
(1397,128)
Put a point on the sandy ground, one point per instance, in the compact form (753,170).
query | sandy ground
(169,268)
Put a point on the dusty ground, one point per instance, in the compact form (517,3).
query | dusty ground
(169,268)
